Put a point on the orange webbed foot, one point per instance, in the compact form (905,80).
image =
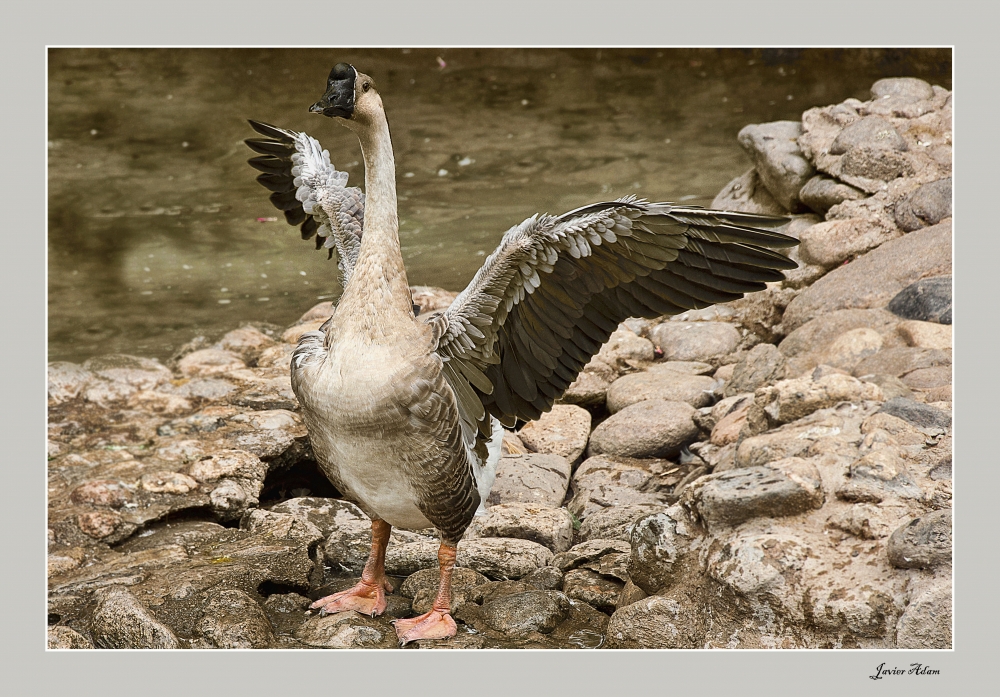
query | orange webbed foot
(436,624)
(366,598)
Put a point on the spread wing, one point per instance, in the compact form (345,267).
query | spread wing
(311,191)
(555,289)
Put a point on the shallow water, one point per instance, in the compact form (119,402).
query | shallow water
(155,221)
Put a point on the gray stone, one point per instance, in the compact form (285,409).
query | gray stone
(865,520)
(764,364)
(902,360)
(655,623)
(535,478)
(875,278)
(120,621)
(658,542)
(654,428)
(870,130)
(808,342)
(696,390)
(822,193)
(349,543)
(790,400)
(928,205)
(781,488)
(928,299)
(616,522)
(878,475)
(547,578)
(907,87)
(602,482)
(625,345)
(422,586)
(926,621)
(922,543)
(586,553)
(233,620)
(872,162)
(695,341)
(928,378)
(563,431)
(346,630)
(588,390)
(328,515)
(747,194)
(520,614)
(775,152)
(142,373)
(850,348)
(592,588)
(833,242)
(552,527)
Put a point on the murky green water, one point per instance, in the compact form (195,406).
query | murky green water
(153,212)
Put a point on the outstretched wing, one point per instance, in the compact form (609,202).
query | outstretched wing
(310,191)
(555,289)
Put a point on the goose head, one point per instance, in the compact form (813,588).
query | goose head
(350,97)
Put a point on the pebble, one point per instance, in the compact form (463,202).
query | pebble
(346,630)
(822,193)
(922,543)
(869,130)
(658,541)
(653,428)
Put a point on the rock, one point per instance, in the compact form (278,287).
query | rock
(297,331)
(280,525)
(624,345)
(891,386)
(922,543)
(563,431)
(593,588)
(535,478)
(781,488)
(764,364)
(247,342)
(925,334)
(926,621)
(346,630)
(65,638)
(873,162)
(822,193)
(696,390)
(900,361)
(228,463)
(878,475)
(598,555)
(422,586)
(864,520)
(546,578)
(233,620)
(322,311)
(616,522)
(654,623)
(588,390)
(349,541)
(499,558)
(928,300)
(910,88)
(120,621)
(203,388)
(824,430)
(654,428)
(916,413)
(328,515)
(727,430)
(928,205)
(603,482)
(928,378)
(100,524)
(66,381)
(277,356)
(830,243)
(774,150)
(552,527)
(101,492)
(658,542)
(747,194)
(874,279)
(851,347)
(429,298)
(695,341)
(790,400)
(869,130)
(210,361)
(520,614)
(806,346)
(142,373)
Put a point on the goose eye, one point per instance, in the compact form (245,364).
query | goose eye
(365,86)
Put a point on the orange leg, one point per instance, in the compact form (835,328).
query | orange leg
(368,595)
(436,624)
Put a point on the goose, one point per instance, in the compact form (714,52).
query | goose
(406,413)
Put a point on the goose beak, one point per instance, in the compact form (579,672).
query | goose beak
(339,97)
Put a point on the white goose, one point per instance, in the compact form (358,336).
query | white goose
(405,414)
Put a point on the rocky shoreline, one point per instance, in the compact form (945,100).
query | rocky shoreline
(774,473)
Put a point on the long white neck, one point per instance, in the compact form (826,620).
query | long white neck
(378,288)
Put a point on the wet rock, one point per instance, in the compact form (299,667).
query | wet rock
(653,428)
(764,364)
(346,630)
(247,342)
(120,621)
(536,478)
(658,542)
(603,482)
(655,623)
(900,361)
(851,347)
(668,385)
(563,431)
(775,152)
(233,620)
(695,341)
(830,243)
(928,300)
(822,193)
(926,621)
(499,558)
(875,278)
(790,400)
(552,527)
(208,362)
(864,520)
(877,475)
(616,522)
(592,588)
(747,194)
(916,413)
(781,488)
(928,205)
(65,638)
(66,381)
(546,578)
(926,334)
(922,543)
(520,614)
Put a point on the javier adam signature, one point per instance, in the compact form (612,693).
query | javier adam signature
(914,669)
